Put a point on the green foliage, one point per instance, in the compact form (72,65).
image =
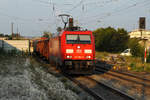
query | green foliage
(1,35)
(46,34)
(136,49)
(148,58)
(9,37)
(140,69)
(110,39)
(136,68)
(6,35)
(59,29)
(133,65)
(147,68)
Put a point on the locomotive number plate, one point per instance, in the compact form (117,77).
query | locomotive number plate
(79,51)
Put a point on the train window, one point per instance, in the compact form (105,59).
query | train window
(85,38)
(74,39)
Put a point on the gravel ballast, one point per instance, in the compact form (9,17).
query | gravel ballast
(21,80)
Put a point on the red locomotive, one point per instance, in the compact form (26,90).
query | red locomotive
(73,51)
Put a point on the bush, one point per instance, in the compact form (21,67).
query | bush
(148,58)
(133,66)
(136,49)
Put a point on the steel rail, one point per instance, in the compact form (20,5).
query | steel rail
(121,77)
(131,75)
(91,92)
(114,90)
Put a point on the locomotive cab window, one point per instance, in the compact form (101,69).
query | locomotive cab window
(78,39)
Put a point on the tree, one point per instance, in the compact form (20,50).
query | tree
(47,34)
(6,35)
(59,29)
(110,39)
(1,35)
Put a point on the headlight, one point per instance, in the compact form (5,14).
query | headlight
(69,50)
(69,56)
(88,57)
(87,51)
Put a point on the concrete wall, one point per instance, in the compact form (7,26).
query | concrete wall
(1,43)
(20,45)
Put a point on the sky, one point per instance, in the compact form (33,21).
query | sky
(32,17)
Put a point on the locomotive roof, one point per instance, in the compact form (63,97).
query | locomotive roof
(72,32)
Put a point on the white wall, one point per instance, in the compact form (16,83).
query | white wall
(20,45)
(137,34)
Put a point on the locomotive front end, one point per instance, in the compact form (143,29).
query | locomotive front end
(79,52)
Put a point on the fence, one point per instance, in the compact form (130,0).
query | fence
(19,45)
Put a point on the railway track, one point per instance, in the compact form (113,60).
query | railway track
(98,93)
(101,91)
(113,90)
(91,92)
(124,76)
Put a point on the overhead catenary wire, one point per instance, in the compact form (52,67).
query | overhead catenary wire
(82,10)
(86,5)
(3,12)
(20,21)
(41,1)
(50,3)
(74,7)
(118,10)
(108,14)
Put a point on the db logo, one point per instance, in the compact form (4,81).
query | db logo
(79,51)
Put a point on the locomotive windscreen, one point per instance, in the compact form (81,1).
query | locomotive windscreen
(78,39)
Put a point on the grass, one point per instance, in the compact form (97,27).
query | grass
(101,54)
(135,63)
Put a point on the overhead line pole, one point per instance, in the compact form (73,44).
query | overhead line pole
(12,29)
